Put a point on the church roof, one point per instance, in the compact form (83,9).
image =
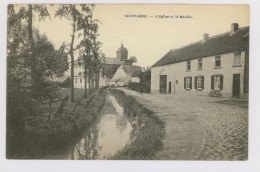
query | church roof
(111,60)
(122,48)
(215,45)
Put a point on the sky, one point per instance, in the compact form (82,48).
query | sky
(149,39)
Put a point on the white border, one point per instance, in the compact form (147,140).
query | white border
(252,165)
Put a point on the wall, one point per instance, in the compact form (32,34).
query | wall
(176,73)
(135,79)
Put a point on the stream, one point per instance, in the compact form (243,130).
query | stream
(108,134)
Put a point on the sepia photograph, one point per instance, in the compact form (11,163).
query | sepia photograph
(127,82)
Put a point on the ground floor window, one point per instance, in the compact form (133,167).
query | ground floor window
(76,80)
(187,83)
(199,82)
(80,80)
(217,82)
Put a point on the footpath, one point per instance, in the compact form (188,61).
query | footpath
(198,127)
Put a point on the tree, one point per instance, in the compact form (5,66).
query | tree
(70,12)
(23,98)
(133,59)
(91,54)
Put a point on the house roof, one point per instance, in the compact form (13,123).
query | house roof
(215,45)
(129,71)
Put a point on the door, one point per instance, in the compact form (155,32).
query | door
(163,84)
(170,87)
(236,85)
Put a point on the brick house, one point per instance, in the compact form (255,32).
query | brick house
(214,65)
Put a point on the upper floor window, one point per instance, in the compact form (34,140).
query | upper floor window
(199,63)
(237,58)
(217,61)
(188,65)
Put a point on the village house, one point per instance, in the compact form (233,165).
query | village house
(115,71)
(217,65)
(125,74)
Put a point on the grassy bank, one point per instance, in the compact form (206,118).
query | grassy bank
(148,130)
(43,138)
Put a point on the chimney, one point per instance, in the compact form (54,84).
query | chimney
(234,27)
(205,37)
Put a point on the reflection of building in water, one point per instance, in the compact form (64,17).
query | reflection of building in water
(121,123)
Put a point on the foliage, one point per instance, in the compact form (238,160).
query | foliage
(25,98)
(148,130)
(133,59)
(145,83)
(65,83)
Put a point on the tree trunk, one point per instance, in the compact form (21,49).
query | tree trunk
(72,61)
(85,84)
(31,45)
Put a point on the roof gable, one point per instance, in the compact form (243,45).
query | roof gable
(215,45)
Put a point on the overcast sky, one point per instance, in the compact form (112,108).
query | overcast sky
(150,38)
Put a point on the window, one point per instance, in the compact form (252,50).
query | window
(76,80)
(80,80)
(187,83)
(188,65)
(237,59)
(217,61)
(217,82)
(199,63)
(199,82)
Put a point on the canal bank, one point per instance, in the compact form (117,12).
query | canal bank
(49,135)
(124,129)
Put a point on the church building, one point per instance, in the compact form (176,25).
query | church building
(110,66)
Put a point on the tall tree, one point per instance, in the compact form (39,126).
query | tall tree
(70,12)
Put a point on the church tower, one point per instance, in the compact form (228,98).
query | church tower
(122,53)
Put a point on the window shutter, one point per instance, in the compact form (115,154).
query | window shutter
(212,82)
(184,82)
(202,82)
(195,83)
(221,82)
(190,82)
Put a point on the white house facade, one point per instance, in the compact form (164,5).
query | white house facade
(79,79)
(217,65)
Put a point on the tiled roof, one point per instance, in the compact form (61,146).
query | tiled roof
(129,69)
(215,45)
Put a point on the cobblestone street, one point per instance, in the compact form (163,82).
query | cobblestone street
(199,128)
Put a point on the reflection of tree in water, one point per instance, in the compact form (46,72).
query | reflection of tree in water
(87,147)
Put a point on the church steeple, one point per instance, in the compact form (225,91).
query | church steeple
(122,53)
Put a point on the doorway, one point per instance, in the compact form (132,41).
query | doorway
(170,87)
(236,85)
(163,84)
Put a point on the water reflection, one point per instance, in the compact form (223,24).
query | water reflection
(106,136)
